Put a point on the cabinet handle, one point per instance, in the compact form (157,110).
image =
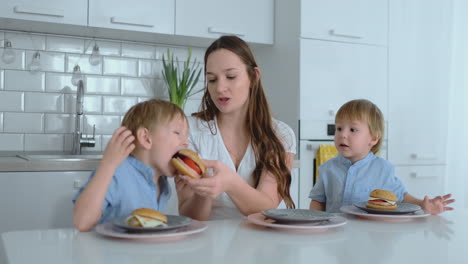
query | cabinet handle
(416,175)
(38,11)
(224,32)
(129,21)
(332,32)
(415,156)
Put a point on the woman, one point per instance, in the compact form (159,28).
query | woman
(250,153)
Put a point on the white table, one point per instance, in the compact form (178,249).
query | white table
(435,239)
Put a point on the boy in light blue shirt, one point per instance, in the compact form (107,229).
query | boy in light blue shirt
(132,173)
(350,177)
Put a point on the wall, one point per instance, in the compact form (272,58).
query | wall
(37,108)
(457,167)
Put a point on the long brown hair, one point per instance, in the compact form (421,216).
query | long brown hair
(269,151)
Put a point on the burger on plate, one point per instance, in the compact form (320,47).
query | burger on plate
(146,217)
(188,163)
(382,199)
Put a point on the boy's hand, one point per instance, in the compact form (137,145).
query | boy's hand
(119,147)
(438,204)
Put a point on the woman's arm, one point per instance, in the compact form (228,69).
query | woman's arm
(315,205)
(191,204)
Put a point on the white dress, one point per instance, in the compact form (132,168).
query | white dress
(212,147)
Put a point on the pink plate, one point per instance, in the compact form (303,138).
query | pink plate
(108,229)
(350,209)
(260,219)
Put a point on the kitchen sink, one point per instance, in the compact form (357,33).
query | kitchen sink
(59,157)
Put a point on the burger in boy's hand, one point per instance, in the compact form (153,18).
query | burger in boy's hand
(146,217)
(188,163)
(382,199)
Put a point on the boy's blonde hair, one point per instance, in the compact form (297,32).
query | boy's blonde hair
(150,114)
(364,110)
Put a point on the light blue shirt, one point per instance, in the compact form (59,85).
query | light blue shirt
(132,187)
(342,183)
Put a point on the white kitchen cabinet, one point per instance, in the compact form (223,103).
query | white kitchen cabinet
(419,80)
(32,200)
(333,73)
(73,12)
(139,15)
(250,20)
(358,21)
(422,180)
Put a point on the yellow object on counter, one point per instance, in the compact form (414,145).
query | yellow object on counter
(324,153)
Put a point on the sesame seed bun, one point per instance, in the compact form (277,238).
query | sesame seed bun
(178,163)
(384,194)
(378,200)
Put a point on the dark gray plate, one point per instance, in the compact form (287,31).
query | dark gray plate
(297,215)
(403,208)
(173,221)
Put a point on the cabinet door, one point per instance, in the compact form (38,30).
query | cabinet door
(359,21)
(38,200)
(250,20)
(333,73)
(419,77)
(138,15)
(56,11)
(422,180)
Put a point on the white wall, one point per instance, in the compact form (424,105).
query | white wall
(457,156)
(37,108)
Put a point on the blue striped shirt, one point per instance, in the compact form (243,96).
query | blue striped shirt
(342,183)
(132,187)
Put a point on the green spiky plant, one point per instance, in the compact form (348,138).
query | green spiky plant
(181,81)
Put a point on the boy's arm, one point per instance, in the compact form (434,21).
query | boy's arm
(88,206)
(315,205)
(433,206)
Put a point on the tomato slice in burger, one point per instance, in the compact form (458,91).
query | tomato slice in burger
(191,164)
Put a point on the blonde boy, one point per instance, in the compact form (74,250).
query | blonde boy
(132,173)
(350,177)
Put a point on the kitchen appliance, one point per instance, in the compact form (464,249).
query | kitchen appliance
(312,134)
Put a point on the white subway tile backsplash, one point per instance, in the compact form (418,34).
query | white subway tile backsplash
(118,66)
(104,124)
(12,101)
(24,81)
(44,102)
(59,123)
(135,86)
(91,104)
(63,44)
(38,109)
(117,104)
(59,82)
(150,69)
(138,51)
(46,142)
(83,62)
(11,142)
(23,122)
(102,85)
(49,61)
(17,64)
(106,48)
(26,40)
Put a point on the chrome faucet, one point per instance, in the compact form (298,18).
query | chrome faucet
(80,140)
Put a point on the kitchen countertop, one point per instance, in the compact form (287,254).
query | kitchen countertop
(12,162)
(431,240)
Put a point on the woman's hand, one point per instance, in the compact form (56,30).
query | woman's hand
(215,184)
(119,147)
(438,204)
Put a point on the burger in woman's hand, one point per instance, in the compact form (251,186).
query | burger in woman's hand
(188,163)
(382,199)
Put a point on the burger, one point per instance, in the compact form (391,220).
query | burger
(188,163)
(146,217)
(382,199)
